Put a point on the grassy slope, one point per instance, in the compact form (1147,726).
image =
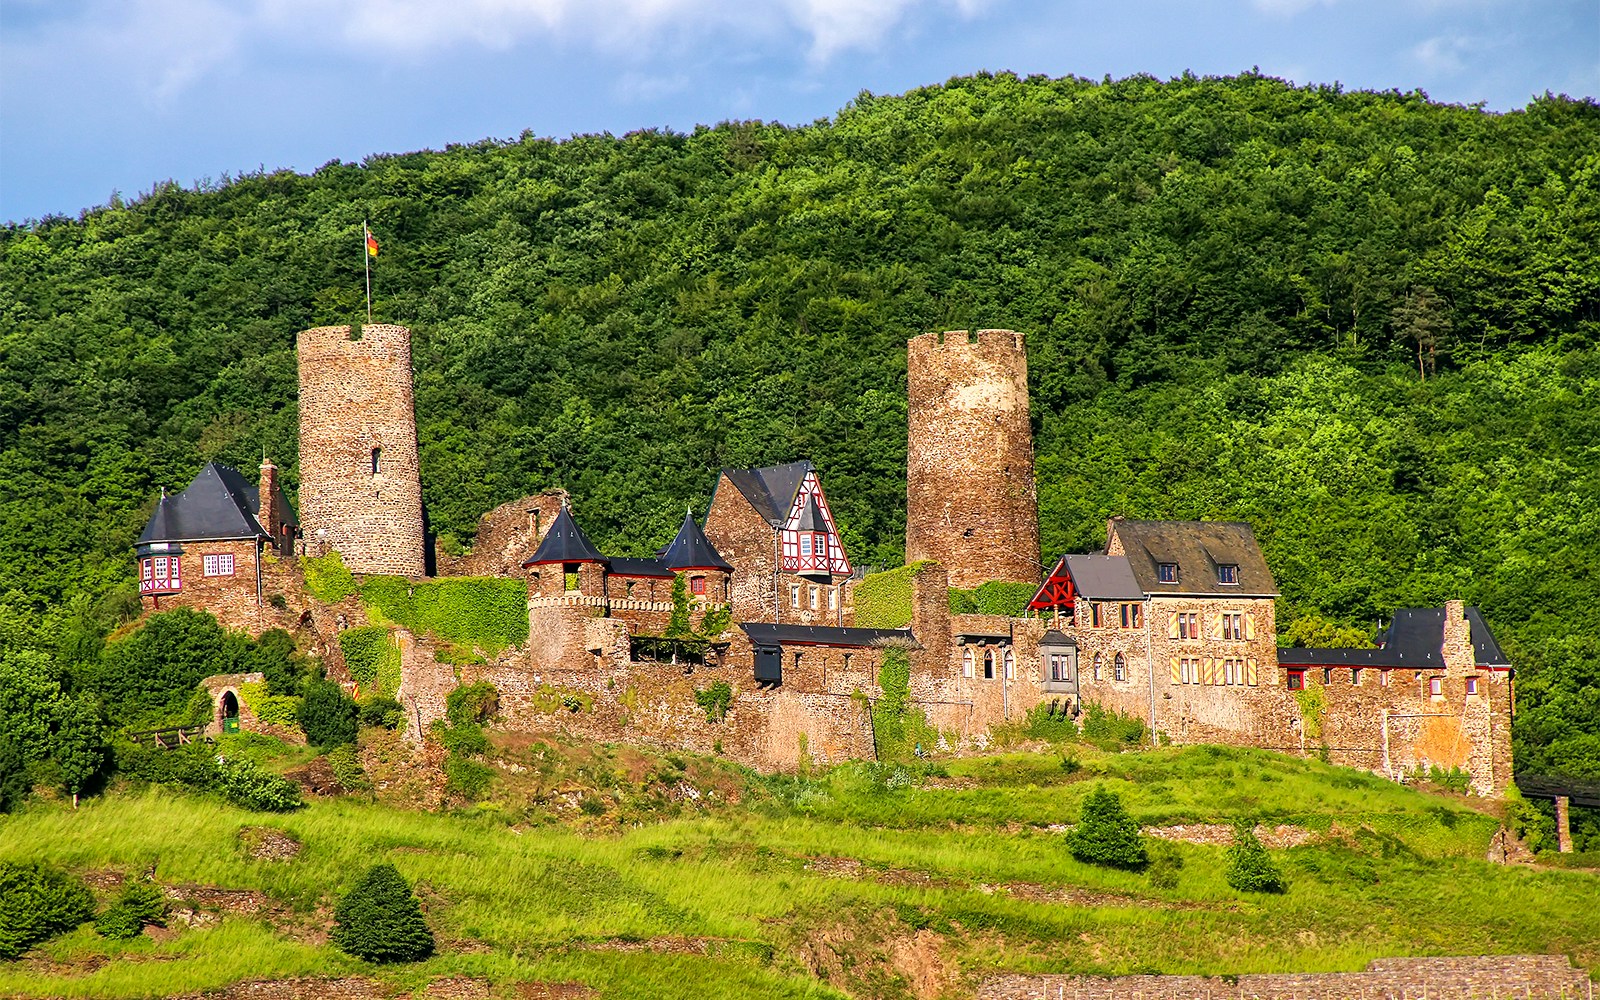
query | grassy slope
(1407,880)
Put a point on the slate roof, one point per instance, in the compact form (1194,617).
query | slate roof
(1104,578)
(626,566)
(1414,639)
(767,634)
(692,550)
(1198,548)
(217,505)
(770,490)
(565,542)
(811,518)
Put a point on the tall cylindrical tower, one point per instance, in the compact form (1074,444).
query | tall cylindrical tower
(971,503)
(360,489)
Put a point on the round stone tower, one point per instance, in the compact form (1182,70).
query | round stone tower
(360,490)
(971,503)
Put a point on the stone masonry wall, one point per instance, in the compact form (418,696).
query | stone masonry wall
(231,598)
(506,536)
(744,538)
(971,501)
(355,396)
(1467,978)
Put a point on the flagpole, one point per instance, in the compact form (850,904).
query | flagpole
(366,259)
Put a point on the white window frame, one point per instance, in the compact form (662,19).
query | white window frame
(217,564)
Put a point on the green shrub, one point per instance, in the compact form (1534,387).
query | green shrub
(279,663)
(1531,825)
(191,765)
(1106,834)
(254,787)
(1250,867)
(1048,721)
(13,776)
(345,763)
(883,600)
(327,715)
(466,740)
(715,699)
(1165,863)
(380,919)
(327,578)
(37,902)
(466,777)
(381,712)
(141,903)
(1110,729)
(1454,779)
(472,703)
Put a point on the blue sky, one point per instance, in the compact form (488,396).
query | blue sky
(99,96)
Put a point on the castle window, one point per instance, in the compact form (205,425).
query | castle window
(1355,676)
(1097,666)
(377,458)
(569,572)
(1233,626)
(1188,671)
(218,565)
(816,598)
(697,585)
(1189,625)
(1133,616)
(847,658)
(966,662)
(1121,667)
(1327,676)
(988,664)
(1436,686)
(1167,572)
(1228,573)
(1296,680)
(805,545)
(833,599)
(794,595)
(1011,665)
(1472,685)
(1383,678)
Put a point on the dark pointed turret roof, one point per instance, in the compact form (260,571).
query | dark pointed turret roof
(692,550)
(811,518)
(217,505)
(565,542)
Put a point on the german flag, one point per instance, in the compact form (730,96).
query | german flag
(372,242)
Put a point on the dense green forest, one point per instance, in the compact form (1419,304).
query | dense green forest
(1367,323)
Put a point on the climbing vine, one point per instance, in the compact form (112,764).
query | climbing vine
(1313,705)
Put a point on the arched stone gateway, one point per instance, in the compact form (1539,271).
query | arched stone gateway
(228,712)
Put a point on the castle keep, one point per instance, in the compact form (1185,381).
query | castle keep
(1172,623)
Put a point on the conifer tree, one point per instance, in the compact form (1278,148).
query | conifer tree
(1106,834)
(380,919)
(1250,867)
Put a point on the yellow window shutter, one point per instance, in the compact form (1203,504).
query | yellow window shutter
(1172,625)
(1249,626)
(1216,626)
(1250,672)
(1207,671)
(1174,670)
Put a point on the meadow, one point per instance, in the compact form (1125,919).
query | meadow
(860,880)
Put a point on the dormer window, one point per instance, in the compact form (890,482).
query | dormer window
(1167,572)
(1228,573)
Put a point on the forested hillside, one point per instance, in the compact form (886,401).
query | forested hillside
(1366,323)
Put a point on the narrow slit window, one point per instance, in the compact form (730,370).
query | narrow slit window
(377,460)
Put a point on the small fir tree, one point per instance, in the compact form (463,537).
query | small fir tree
(1250,867)
(380,919)
(1106,834)
(327,715)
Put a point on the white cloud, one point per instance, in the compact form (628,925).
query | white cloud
(1443,53)
(1288,8)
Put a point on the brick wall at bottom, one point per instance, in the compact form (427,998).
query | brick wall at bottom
(1477,977)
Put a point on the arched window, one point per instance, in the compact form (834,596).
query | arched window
(1097,666)
(966,662)
(1011,665)
(1121,667)
(377,455)
(988,664)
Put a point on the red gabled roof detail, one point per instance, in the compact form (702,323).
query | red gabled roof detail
(1057,591)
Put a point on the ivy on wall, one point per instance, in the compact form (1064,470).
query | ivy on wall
(899,728)
(883,600)
(327,578)
(273,709)
(372,658)
(486,612)
(997,597)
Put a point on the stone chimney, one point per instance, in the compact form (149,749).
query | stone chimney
(267,512)
(1457,646)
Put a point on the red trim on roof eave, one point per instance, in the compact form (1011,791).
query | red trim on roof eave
(837,645)
(559,562)
(703,569)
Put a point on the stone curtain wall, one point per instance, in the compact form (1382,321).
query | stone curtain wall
(506,536)
(971,502)
(1472,978)
(356,395)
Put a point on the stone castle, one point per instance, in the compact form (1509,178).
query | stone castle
(1173,623)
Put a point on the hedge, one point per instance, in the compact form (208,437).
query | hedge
(883,600)
(997,597)
(487,612)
